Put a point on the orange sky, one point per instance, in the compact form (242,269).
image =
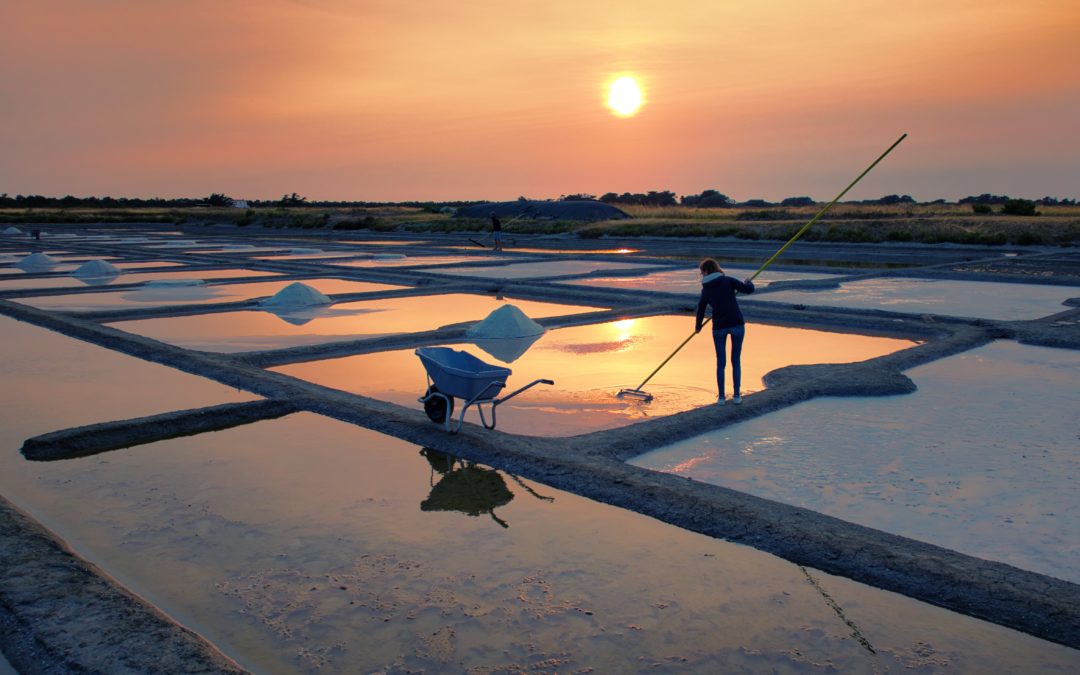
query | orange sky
(492,99)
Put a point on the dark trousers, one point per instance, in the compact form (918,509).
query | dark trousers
(719,337)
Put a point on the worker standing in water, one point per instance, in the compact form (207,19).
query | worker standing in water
(718,291)
(496,231)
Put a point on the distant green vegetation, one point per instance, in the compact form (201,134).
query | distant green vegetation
(985,219)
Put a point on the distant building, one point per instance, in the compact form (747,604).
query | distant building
(588,210)
(239,204)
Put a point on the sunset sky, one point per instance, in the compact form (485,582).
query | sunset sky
(493,99)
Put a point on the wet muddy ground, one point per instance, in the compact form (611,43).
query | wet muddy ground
(590,464)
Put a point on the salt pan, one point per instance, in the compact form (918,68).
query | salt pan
(173,283)
(388,256)
(506,322)
(297,294)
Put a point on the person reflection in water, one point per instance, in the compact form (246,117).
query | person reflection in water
(718,291)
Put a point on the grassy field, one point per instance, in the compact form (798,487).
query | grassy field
(922,223)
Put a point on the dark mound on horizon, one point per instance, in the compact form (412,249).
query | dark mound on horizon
(532,210)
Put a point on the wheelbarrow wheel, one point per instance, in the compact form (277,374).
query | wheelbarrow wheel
(437,407)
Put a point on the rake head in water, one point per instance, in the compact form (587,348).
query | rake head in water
(635,393)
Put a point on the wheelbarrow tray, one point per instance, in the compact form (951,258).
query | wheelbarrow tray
(460,374)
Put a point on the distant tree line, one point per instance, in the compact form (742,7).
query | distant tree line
(216,199)
(705,199)
(717,199)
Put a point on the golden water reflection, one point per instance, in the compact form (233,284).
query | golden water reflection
(297,545)
(149,296)
(254,330)
(590,364)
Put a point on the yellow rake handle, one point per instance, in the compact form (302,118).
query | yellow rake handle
(783,248)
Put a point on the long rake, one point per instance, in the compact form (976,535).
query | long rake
(639,393)
(515,218)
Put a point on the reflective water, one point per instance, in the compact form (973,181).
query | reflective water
(240,249)
(590,364)
(256,330)
(309,545)
(132,278)
(979,299)
(417,260)
(312,256)
(381,242)
(565,251)
(981,459)
(147,263)
(148,296)
(543,269)
(53,382)
(689,280)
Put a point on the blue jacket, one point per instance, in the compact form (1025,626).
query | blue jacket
(719,291)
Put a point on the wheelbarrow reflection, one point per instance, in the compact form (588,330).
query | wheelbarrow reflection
(468,488)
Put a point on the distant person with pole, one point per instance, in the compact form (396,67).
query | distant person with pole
(496,231)
(718,291)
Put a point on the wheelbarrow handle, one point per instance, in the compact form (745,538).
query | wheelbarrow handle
(528,386)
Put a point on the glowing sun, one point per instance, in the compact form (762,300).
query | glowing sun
(624,96)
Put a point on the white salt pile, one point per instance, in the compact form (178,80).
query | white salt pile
(96,268)
(37,261)
(13,230)
(297,294)
(506,322)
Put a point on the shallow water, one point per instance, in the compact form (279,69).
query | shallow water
(242,249)
(308,545)
(590,364)
(381,242)
(128,278)
(561,251)
(256,330)
(418,260)
(981,459)
(543,269)
(977,299)
(54,382)
(689,280)
(206,294)
(313,256)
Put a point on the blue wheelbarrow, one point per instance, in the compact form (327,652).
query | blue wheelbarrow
(455,374)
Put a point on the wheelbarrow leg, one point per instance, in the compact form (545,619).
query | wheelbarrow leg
(480,408)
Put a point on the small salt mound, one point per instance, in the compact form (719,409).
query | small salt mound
(96,268)
(297,294)
(506,322)
(37,261)
(173,283)
(388,256)
(13,230)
